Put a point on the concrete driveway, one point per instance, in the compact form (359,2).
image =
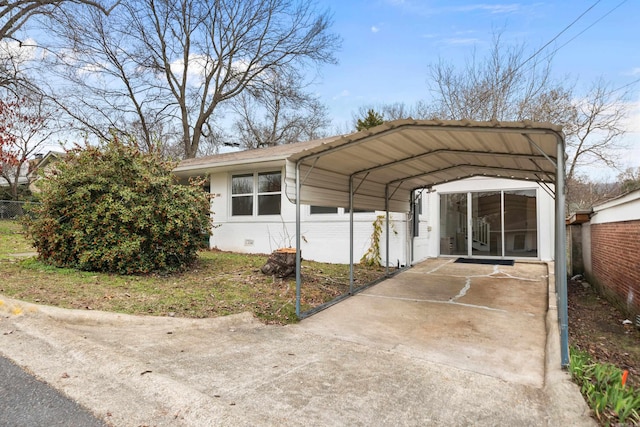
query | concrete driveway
(439,344)
(486,319)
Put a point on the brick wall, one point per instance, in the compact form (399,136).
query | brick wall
(615,255)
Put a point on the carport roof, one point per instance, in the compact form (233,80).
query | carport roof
(378,169)
(403,155)
(400,156)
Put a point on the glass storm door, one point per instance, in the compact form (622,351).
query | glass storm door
(489,224)
(453,224)
(486,224)
(520,223)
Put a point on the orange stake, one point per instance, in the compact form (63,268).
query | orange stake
(625,374)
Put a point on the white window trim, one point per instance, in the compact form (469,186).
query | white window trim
(255,194)
(337,212)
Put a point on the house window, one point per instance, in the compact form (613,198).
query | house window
(269,184)
(314,210)
(323,210)
(242,195)
(259,192)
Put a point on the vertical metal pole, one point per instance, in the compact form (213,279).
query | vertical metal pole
(561,256)
(386,209)
(298,240)
(351,235)
(502,244)
(469,235)
(412,225)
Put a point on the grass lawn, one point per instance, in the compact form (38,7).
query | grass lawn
(220,283)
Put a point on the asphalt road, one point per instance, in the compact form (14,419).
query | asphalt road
(28,402)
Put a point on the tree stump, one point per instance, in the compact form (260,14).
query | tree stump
(281,263)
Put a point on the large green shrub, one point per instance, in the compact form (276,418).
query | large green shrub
(115,209)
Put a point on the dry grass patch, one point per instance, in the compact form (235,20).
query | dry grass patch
(220,283)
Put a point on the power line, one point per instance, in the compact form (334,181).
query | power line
(583,31)
(537,52)
(573,38)
(627,85)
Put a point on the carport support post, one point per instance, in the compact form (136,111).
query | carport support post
(386,209)
(351,235)
(298,240)
(561,255)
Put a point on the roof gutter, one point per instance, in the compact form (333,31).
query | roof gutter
(229,163)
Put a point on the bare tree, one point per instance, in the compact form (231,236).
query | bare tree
(583,193)
(507,85)
(211,143)
(153,137)
(498,87)
(179,62)
(629,179)
(105,89)
(397,110)
(14,14)
(13,56)
(26,124)
(278,113)
(593,137)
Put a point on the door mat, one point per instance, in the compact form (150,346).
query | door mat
(484,261)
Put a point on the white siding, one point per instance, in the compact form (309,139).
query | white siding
(624,208)
(325,237)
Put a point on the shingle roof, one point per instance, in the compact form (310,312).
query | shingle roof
(276,152)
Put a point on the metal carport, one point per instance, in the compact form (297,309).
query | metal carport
(381,168)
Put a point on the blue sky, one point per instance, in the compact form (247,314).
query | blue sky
(388,44)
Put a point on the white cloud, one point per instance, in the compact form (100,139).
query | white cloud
(344,94)
(200,65)
(70,57)
(374,29)
(491,8)
(19,52)
(632,123)
(458,41)
(92,68)
(197,67)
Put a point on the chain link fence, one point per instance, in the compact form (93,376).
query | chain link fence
(11,209)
